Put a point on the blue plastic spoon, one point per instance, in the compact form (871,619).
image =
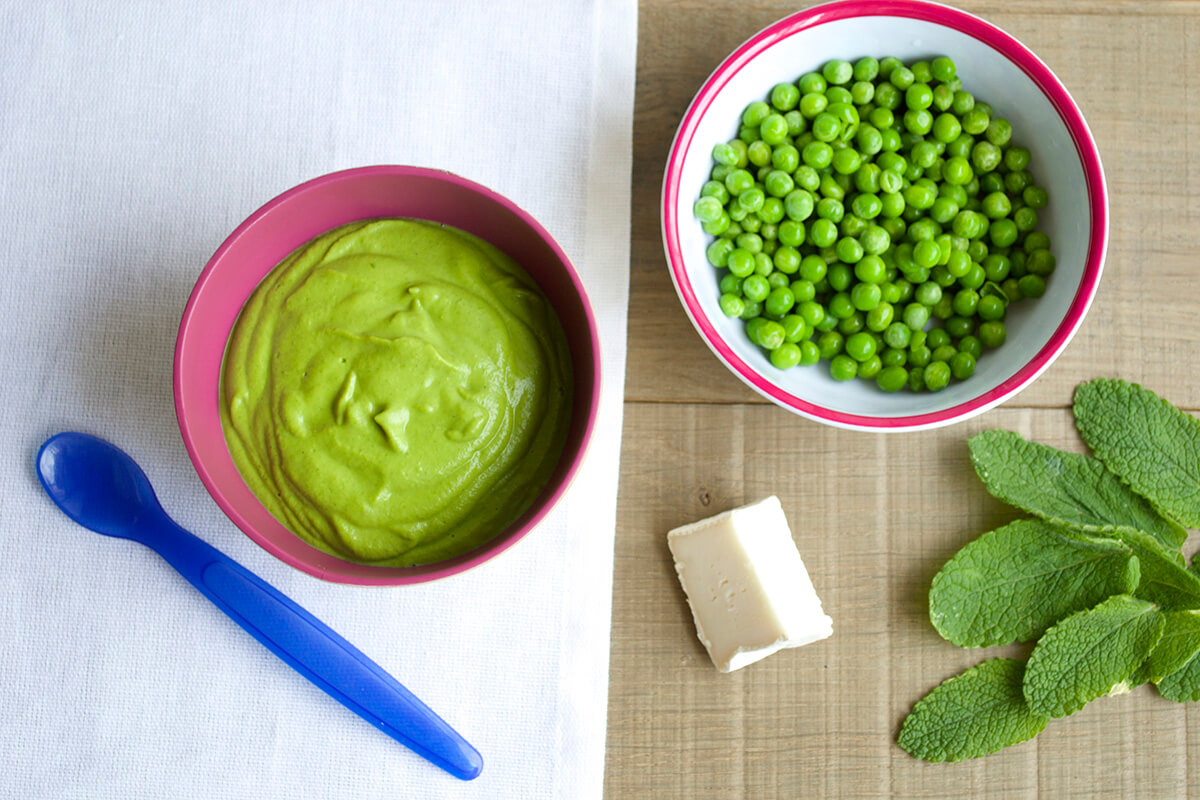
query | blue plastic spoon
(103,489)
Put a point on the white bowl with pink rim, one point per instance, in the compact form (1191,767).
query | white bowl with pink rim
(997,69)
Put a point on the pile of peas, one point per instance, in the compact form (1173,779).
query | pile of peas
(863,205)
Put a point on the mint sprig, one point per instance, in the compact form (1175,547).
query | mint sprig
(1097,578)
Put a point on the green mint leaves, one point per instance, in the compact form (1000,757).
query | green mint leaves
(1096,577)
(1066,488)
(1178,647)
(1150,444)
(974,713)
(1090,653)
(1013,583)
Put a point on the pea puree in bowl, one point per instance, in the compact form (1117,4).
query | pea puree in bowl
(396,392)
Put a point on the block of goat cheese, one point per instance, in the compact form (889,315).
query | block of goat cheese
(746,584)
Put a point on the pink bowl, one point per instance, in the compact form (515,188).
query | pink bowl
(297,216)
(996,68)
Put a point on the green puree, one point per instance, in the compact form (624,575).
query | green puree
(396,392)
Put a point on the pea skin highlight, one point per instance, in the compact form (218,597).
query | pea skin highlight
(870,205)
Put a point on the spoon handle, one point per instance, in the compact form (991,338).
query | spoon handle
(313,649)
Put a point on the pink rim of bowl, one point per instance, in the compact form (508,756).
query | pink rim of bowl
(985,33)
(297,216)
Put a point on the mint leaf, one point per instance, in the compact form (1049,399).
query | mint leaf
(1065,488)
(975,713)
(1150,444)
(1182,685)
(1164,580)
(1179,644)
(1012,583)
(1090,653)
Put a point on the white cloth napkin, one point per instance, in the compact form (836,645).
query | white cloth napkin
(134,136)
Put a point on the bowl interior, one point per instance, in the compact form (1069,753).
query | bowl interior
(803,43)
(298,216)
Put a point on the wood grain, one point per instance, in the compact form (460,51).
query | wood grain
(875,516)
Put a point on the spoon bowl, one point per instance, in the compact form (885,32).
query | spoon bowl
(96,484)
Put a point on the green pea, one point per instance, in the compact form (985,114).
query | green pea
(795,329)
(958,327)
(919,355)
(901,77)
(785,96)
(916,316)
(985,157)
(992,333)
(846,161)
(778,183)
(837,72)
(937,376)
(1016,159)
(943,69)
(786,159)
(957,171)
(999,131)
(997,205)
(962,366)
(880,317)
(860,346)
(944,308)
(1026,219)
(894,357)
(892,379)
(898,335)
(770,335)
(740,262)
(732,305)
(1003,232)
(976,120)
(918,121)
(843,368)
(1040,263)
(792,233)
(830,344)
(812,312)
(944,353)
(875,239)
(785,356)
(971,344)
(839,277)
(807,178)
(990,308)
(870,269)
(1035,197)
(1016,182)
(849,250)
(918,96)
(777,280)
(771,211)
(809,353)
(996,267)
(818,155)
(796,122)
(779,302)
(943,97)
(756,288)
(1032,285)
(823,233)
(813,268)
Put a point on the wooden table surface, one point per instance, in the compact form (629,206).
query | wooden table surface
(874,515)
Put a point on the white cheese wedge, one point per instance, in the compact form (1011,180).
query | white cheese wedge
(746,584)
